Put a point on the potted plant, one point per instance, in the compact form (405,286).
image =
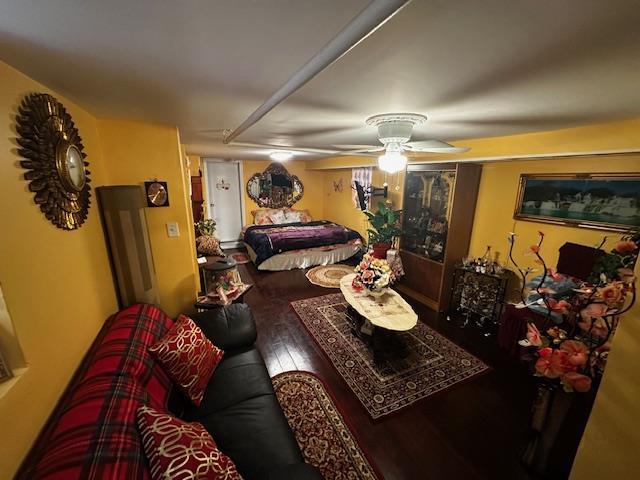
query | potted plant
(207,243)
(386,226)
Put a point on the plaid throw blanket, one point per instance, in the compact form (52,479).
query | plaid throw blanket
(92,432)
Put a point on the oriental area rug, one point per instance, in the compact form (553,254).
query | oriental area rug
(328,276)
(240,257)
(433,363)
(324,438)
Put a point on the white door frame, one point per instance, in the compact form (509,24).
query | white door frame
(205,173)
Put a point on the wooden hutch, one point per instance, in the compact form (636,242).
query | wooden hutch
(438,208)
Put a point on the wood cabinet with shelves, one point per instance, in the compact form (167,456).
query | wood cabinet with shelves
(438,208)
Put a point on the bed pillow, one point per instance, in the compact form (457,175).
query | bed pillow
(188,357)
(278,217)
(181,450)
(292,216)
(305,216)
(262,216)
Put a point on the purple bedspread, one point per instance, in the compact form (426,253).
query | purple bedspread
(269,240)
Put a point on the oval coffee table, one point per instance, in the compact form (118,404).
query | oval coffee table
(377,321)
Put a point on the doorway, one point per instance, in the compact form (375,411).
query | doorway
(225,199)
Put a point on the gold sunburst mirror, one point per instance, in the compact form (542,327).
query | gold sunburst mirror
(54,158)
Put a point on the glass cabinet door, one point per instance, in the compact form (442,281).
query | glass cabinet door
(426,211)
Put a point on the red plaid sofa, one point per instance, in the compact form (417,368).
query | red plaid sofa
(92,432)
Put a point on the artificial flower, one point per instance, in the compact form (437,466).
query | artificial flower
(553,273)
(533,337)
(625,246)
(577,352)
(367,276)
(594,310)
(535,248)
(612,294)
(576,381)
(559,306)
(553,363)
(595,326)
(626,275)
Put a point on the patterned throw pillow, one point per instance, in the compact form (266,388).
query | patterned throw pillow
(278,217)
(292,216)
(188,357)
(179,450)
(262,216)
(305,216)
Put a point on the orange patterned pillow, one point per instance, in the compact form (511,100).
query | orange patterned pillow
(180,450)
(188,357)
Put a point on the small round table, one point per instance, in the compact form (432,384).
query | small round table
(222,284)
(378,320)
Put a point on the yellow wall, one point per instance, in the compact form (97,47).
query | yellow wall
(497,198)
(338,206)
(57,284)
(311,180)
(136,152)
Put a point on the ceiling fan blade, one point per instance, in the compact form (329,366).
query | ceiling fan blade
(370,149)
(434,146)
(354,147)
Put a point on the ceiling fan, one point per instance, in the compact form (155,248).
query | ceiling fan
(394,132)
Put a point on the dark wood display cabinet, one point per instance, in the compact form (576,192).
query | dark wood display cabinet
(438,207)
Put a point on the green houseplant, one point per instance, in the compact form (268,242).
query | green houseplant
(385,225)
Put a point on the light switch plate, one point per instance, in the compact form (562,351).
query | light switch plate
(172,229)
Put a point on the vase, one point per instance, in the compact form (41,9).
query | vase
(548,414)
(377,294)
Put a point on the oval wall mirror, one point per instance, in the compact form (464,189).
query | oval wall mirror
(275,187)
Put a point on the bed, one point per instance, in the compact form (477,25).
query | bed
(302,244)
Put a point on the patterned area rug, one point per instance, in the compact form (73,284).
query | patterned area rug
(328,276)
(433,362)
(322,433)
(240,258)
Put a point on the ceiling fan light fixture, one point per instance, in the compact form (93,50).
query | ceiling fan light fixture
(281,156)
(392,161)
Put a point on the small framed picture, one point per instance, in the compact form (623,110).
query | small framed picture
(5,371)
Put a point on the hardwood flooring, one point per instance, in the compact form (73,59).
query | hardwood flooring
(474,430)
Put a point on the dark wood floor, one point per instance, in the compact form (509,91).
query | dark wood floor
(471,431)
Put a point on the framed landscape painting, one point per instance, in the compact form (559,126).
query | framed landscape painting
(597,200)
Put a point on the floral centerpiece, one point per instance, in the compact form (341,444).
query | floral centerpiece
(575,351)
(373,274)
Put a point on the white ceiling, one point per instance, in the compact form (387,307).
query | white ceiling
(475,68)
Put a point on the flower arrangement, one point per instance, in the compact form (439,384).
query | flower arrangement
(574,352)
(374,274)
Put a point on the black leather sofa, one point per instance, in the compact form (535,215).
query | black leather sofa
(240,408)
